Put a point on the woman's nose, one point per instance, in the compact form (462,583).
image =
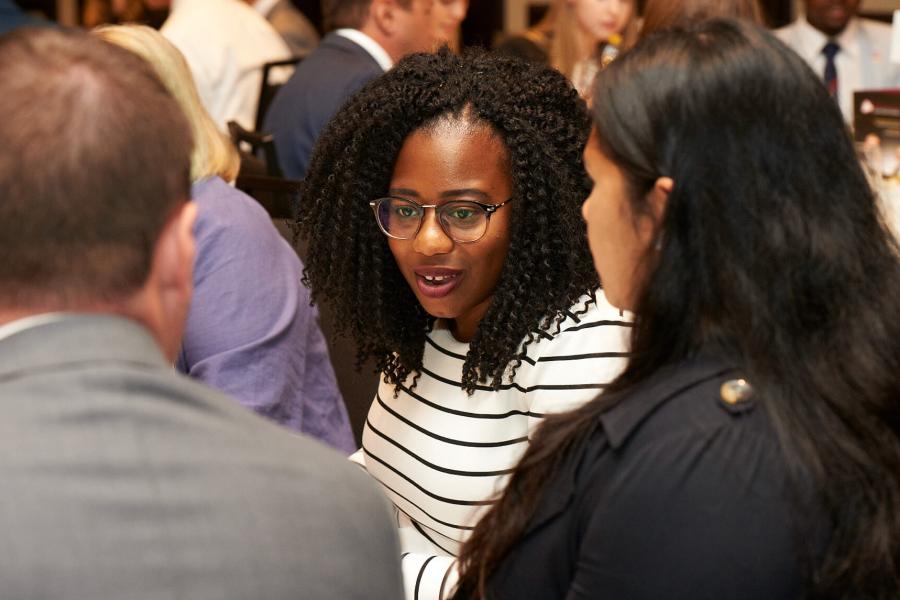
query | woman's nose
(431,238)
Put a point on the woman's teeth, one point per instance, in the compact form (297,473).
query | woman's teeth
(437,278)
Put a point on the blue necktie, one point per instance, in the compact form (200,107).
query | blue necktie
(831,78)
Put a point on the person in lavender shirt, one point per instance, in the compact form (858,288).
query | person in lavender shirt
(251,331)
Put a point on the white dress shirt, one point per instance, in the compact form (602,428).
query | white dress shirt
(19,325)
(226,43)
(863,62)
(369,45)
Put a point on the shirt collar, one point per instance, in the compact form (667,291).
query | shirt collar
(848,39)
(54,339)
(812,40)
(14,327)
(369,45)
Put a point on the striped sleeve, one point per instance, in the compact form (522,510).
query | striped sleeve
(428,577)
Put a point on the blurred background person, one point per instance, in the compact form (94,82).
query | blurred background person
(533,44)
(251,331)
(292,25)
(13,17)
(660,14)
(448,16)
(849,53)
(751,447)
(225,43)
(576,37)
(102,12)
(366,38)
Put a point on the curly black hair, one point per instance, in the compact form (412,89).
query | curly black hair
(544,126)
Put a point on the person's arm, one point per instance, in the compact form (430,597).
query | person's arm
(427,576)
(251,331)
(692,517)
(429,572)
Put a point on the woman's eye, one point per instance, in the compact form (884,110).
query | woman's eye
(405,212)
(461,214)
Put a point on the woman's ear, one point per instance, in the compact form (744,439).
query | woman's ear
(658,198)
(381,12)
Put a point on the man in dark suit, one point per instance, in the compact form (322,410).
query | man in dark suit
(121,478)
(368,37)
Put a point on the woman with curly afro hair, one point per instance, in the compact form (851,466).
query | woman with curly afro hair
(442,216)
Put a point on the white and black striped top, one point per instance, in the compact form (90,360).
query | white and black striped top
(441,455)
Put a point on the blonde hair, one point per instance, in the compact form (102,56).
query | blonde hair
(569,44)
(213,153)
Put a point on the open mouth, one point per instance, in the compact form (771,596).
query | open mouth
(436,283)
(437,279)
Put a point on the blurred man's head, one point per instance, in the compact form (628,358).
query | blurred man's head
(337,14)
(401,27)
(94,166)
(447,18)
(830,16)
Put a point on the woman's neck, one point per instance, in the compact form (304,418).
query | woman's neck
(464,326)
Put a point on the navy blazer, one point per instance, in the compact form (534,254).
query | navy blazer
(334,71)
(677,494)
(13,17)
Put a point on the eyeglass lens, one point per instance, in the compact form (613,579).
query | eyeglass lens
(461,220)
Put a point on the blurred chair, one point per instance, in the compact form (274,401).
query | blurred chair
(277,195)
(281,199)
(258,154)
(268,89)
(358,387)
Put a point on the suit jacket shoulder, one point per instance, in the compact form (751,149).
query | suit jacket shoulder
(145,484)
(320,85)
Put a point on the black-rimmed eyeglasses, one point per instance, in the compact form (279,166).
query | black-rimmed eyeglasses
(463,221)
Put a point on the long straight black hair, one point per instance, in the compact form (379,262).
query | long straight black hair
(773,249)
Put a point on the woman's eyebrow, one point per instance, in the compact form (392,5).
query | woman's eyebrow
(448,194)
(465,192)
(403,192)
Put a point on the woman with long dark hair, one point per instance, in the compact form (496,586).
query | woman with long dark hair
(750,448)
(443,216)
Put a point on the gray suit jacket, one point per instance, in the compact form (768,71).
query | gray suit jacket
(124,480)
